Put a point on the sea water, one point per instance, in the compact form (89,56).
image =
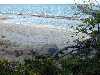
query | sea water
(41,14)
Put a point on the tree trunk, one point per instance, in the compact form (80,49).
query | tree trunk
(98,28)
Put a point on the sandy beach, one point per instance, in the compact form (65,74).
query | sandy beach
(32,37)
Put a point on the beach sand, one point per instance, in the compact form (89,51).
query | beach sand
(32,37)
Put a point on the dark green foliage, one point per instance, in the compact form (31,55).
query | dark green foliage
(90,24)
(98,17)
(77,66)
(88,65)
(46,66)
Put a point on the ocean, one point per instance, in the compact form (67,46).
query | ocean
(42,14)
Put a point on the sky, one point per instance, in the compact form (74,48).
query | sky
(41,1)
